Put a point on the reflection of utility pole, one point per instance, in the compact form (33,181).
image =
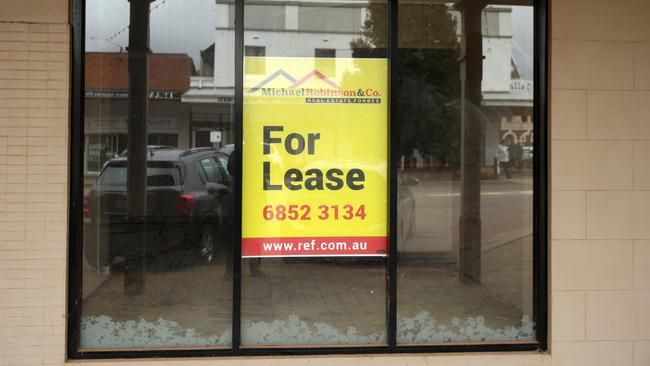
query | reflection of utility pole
(470,196)
(136,182)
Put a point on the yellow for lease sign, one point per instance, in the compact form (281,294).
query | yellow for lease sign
(315,157)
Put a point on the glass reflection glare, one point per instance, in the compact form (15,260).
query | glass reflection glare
(466,133)
(159,277)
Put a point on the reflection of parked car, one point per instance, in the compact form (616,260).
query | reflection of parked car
(405,206)
(228,149)
(186,194)
(150,148)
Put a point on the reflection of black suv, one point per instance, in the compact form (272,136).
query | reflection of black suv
(187,198)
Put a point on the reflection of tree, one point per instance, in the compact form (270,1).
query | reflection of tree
(428,75)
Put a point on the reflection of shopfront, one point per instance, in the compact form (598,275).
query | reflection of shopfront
(106,94)
(106,138)
(101,147)
(210,113)
(211,129)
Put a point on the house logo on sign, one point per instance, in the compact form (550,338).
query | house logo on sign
(331,93)
(296,82)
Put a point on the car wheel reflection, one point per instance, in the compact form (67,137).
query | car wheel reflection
(207,245)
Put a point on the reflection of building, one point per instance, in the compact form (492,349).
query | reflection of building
(210,108)
(106,83)
(210,104)
(322,29)
(298,29)
(507,96)
(326,29)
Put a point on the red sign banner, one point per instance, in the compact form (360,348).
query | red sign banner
(314,247)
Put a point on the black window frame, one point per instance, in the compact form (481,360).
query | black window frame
(540,208)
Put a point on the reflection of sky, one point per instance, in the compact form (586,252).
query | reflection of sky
(522,40)
(188,26)
(177,26)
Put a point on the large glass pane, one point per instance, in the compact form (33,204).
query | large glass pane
(465,195)
(315,175)
(157,224)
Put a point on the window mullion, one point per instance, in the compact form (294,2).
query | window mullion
(239,90)
(393,141)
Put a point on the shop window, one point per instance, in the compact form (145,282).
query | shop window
(309,179)
(465,213)
(319,299)
(152,268)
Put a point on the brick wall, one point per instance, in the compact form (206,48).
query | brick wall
(111,71)
(34,84)
(600,191)
(601,182)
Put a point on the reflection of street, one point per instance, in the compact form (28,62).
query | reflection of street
(506,215)
(350,292)
(340,294)
(506,261)
(178,288)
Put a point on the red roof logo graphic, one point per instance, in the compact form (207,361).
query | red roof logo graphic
(312,74)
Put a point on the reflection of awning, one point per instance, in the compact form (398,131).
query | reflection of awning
(505,100)
(203,90)
(124,94)
(520,95)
